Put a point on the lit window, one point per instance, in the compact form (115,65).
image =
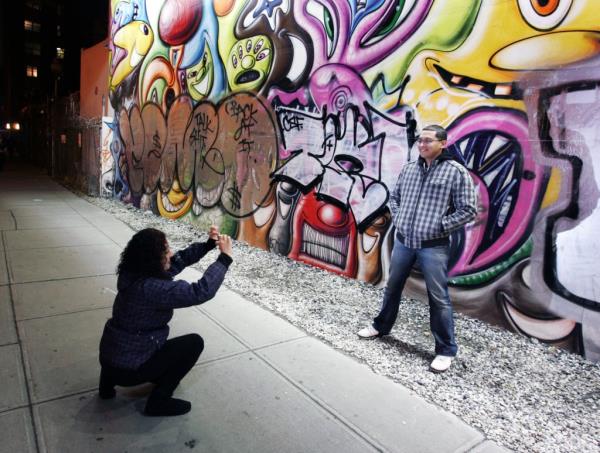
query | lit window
(32,71)
(60,53)
(31,26)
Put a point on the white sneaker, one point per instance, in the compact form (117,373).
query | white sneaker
(441,363)
(368,333)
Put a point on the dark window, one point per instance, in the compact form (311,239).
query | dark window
(33,48)
(33,4)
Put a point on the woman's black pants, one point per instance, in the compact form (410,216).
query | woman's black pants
(166,368)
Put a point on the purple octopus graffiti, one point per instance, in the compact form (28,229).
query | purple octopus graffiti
(287,121)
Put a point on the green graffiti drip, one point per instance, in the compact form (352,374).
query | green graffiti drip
(485,276)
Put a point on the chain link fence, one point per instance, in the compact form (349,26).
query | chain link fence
(66,144)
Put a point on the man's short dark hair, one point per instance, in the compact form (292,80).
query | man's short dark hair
(440,132)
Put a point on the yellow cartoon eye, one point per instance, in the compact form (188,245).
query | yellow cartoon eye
(544,14)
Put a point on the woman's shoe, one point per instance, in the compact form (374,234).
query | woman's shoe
(106,389)
(162,407)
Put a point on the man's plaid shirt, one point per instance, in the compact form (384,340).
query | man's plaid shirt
(144,306)
(427,204)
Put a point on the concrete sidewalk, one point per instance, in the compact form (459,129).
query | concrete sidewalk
(261,385)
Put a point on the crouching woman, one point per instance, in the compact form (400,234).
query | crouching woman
(134,348)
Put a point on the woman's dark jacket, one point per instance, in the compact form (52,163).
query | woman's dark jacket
(144,306)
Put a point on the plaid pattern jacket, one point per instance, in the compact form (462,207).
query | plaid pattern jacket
(429,203)
(144,306)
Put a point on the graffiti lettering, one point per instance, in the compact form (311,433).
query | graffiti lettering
(246,146)
(290,121)
(234,197)
(244,115)
(204,122)
(343,163)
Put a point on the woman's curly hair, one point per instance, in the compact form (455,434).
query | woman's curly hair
(143,255)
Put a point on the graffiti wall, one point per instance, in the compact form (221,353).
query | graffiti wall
(287,121)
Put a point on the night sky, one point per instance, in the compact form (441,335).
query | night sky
(89,19)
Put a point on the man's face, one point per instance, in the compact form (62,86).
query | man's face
(430,146)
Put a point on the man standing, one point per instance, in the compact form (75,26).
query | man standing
(434,196)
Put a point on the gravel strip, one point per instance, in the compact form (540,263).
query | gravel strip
(523,394)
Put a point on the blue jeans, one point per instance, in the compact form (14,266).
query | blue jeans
(433,262)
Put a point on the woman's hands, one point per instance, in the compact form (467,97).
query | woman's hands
(224,244)
(213,233)
(223,240)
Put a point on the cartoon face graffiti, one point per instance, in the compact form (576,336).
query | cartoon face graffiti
(249,63)
(485,68)
(288,43)
(123,13)
(136,39)
(204,74)
(199,77)
(325,236)
(175,203)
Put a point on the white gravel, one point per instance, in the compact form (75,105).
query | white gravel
(525,395)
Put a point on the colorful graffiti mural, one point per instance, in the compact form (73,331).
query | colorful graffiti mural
(287,122)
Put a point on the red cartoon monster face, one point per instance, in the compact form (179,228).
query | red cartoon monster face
(324,236)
